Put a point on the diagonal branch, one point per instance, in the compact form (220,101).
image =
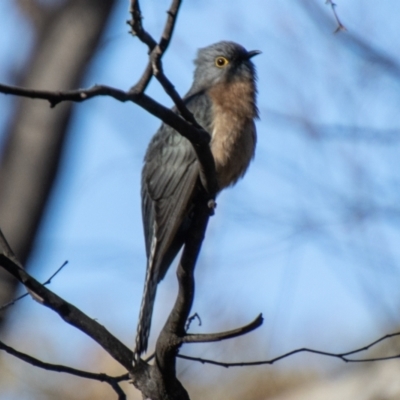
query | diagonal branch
(198,137)
(137,29)
(65,310)
(156,50)
(61,368)
(340,26)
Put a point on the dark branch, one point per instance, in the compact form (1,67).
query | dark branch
(12,302)
(341,356)
(62,368)
(157,65)
(215,337)
(156,50)
(198,137)
(137,26)
(78,95)
(121,394)
(170,90)
(169,25)
(138,30)
(65,310)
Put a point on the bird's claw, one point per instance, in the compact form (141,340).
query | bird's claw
(212,205)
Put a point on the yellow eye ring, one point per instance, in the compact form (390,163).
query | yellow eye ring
(221,62)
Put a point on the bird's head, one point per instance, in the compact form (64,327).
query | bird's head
(223,62)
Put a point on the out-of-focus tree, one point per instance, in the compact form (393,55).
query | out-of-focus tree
(64,36)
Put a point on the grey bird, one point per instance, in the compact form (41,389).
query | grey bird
(223,101)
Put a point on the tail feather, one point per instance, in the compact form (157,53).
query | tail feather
(146,312)
(147,305)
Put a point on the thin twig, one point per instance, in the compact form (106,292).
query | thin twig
(341,356)
(146,102)
(111,380)
(55,273)
(340,26)
(191,319)
(12,302)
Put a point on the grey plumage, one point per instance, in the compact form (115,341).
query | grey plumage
(222,100)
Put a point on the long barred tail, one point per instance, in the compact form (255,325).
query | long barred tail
(146,312)
(147,305)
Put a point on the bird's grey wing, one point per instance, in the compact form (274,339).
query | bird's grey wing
(169,178)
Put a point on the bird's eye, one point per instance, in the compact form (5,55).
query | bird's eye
(221,62)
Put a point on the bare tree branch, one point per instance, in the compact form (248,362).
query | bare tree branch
(215,337)
(67,311)
(137,26)
(340,26)
(207,166)
(341,356)
(156,51)
(62,368)
(48,281)
(198,137)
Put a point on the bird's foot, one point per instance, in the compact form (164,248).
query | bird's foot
(212,205)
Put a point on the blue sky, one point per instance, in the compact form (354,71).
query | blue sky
(309,237)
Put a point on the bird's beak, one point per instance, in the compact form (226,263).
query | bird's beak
(252,53)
